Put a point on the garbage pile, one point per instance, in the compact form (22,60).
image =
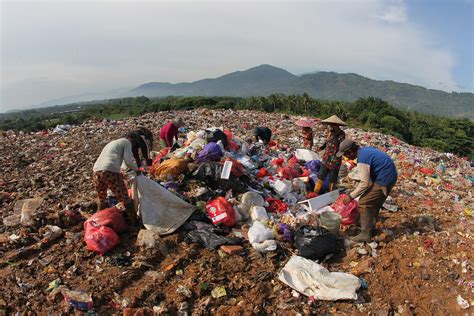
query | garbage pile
(229,226)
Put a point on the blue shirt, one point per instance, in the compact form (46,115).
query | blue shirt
(382,168)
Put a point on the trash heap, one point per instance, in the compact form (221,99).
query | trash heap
(229,226)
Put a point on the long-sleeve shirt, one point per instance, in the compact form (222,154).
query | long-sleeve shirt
(168,132)
(113,154)
(374,166)
(330,160)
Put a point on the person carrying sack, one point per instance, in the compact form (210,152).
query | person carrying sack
(330,162)
(378,175)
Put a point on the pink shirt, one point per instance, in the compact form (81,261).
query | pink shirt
(168,132)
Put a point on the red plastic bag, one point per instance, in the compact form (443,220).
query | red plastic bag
(231,145)
(237,168)
(110,217)
(278,162)
(263,172)
(276,205)
(221,212)
(349,212)
(288,173)
(98,238)
(293,162)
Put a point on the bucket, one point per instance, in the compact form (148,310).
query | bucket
(331,221)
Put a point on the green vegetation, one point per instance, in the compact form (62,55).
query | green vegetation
(440,133)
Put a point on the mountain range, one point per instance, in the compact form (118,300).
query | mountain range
(264,80)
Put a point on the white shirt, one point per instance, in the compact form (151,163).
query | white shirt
(113,154)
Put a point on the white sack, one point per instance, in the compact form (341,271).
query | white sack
(159,209)
(312,279)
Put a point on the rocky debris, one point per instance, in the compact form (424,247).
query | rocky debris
(423,252)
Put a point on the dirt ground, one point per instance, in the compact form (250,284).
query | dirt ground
(423,260)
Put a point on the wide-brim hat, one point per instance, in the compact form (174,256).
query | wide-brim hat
(334,120)
(305,122)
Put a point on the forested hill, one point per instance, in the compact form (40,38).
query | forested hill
(265,80)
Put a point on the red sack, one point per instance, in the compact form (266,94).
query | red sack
(278,162)
(221,211)
(110,217)
(276,205)
(100,239)
(349,213)
(229,135)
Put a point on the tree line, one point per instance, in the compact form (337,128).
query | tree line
(440,133)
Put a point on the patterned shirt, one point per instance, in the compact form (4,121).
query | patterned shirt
(308,138)
(332,147)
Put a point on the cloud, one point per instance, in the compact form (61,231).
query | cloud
(55,49)
(395,13)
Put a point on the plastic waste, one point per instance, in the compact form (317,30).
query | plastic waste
(12,220)
(78,299)
(221,211)
(306,155)
(331,221)
(276,205)
(258,213)
(282,187)
(27,208)
(265,246)
(462,302)
(349,213)
(98,238)
(211,152)
(218,292)
(209,239)
(315,242)
(313,280)
(110,217)
(259,232)
(51,232)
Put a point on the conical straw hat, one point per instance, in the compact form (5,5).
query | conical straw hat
(334,120)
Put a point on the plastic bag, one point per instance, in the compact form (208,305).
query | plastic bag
(265,246)
(209,239)
(258,233)
(349,213)
(314,243)
(276,205)
(110,217)
(288,173)
(210,152)
(221,211)
(258,213)
(100,239)
(313,166)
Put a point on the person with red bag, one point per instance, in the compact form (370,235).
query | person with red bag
(378,175)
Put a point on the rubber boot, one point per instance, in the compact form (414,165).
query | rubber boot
(366,225)
(318,186)
(332,186)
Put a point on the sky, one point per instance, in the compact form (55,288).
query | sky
(52,49)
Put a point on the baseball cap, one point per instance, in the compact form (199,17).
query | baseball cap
(345,146)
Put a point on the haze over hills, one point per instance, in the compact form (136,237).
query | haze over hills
(264,80)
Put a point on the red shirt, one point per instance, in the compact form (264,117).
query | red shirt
(168,132)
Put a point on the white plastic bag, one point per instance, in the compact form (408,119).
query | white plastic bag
(265,246)
(306,155)
(312,279)
(258,213)
(258,232)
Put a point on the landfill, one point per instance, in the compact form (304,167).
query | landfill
(240,232)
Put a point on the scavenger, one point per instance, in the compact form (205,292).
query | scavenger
(262,133)
(169,132)
(107,173)
(330,163)
(378,175)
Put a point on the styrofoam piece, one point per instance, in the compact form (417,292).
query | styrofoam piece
(225,174)
(320,201)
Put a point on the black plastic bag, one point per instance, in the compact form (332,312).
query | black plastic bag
(209,239)
(315,243)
